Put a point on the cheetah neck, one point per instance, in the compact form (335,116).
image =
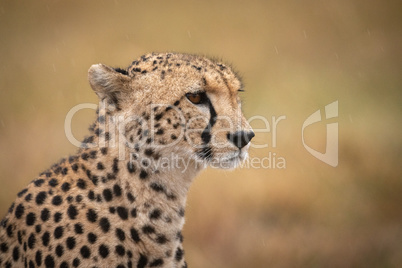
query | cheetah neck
(139,168)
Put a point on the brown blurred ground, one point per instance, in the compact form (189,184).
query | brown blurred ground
(295,57)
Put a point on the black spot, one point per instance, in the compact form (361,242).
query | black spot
(155,263)
(120,250)
(74,167)
(94,179)
(120,234)
(58,232)
(45,214)
(117,190)
(133,213)
(3,222)
(4,247)
(84,156)
(37,183)
(179,236)
(155,214)
(76,262)
(40,198)
(89,139)
(72,212)
(112,210)
(130,197)
(10,231)
(91,195)
(31,218)
(28,197)
(57,200)
(104,150)
(115,165)
(173,137)
(38,258)
(143,174)
(161,239)
(92,216)
(122,71)
(78,198)
(57,217)
(78,228)
(145,162)
(122,212)
(160,131)
(130,167)
(107,194)
(134,235)
(158,116)
(31,241)
(103,251)
(59,250)
(31,264)
(19,211)
(85,252)
(81,184)
(38,228)
(16,253)
(104,224)
(46,239)
(53,182)
(107,136)
(92,238)
(72,159)
(11,208)
(176,103)
(70,242)
(49,261)
(179,254)
(92,154)
(100,166)
(157,187)
(142,262)
(64,265)
(148,229)
(64,171)
(24,191)
(181,212)
(149,151)
(65,187)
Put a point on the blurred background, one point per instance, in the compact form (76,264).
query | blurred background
(295,57)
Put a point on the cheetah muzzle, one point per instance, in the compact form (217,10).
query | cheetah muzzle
(119,202)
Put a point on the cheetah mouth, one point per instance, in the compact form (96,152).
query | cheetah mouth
(231,160)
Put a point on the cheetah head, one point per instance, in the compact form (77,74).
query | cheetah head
(179,103)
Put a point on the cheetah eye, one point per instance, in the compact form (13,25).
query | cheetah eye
(197,98)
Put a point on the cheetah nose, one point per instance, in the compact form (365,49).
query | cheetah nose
(240,138)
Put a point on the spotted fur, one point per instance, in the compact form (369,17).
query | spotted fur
(111,205)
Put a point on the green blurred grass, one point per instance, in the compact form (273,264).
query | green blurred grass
(295,58)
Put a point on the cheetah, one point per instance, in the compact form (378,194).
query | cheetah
(120,200)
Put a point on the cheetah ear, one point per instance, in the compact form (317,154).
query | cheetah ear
(109,83)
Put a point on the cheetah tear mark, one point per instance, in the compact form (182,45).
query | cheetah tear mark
(206,151)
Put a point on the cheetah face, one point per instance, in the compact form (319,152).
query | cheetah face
(184,104)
